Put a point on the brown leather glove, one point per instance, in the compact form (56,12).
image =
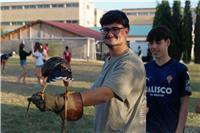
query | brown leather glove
(56,103)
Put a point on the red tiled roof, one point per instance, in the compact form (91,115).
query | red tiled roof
(74,28)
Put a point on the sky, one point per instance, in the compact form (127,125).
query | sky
(122,4)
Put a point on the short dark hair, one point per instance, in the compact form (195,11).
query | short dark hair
(159,33)
(66,47)
(114,16)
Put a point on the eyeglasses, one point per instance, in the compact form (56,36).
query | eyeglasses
(113,30)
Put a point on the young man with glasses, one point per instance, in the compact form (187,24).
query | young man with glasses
(118,92)
(168,86)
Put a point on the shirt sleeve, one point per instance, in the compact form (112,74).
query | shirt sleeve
(36,54)
(184,83)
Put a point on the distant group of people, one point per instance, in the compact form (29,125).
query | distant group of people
(40,53)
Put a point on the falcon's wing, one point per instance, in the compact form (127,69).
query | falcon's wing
(50,64)
(60,73)
(56,68)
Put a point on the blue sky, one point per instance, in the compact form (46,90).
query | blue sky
(119,4)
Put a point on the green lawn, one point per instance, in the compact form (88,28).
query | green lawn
(15,119)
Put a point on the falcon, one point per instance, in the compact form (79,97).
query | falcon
(56,68)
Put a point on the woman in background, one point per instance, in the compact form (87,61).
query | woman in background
(38,54)
(23,55)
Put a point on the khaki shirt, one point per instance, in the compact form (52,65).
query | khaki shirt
(125,113)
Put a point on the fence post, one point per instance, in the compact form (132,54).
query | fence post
(88,49)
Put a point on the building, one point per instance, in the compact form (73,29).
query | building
(17,14)
(143,16)
(81,40)
(98,14)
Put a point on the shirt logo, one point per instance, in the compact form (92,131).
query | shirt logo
(187,86)
(169,79)
(159,91)
(148,78)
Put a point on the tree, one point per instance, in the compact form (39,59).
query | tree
(197,36)
(163,17)
(187,32)
(177,29)
(158,14)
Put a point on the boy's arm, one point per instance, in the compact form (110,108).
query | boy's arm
(182,114)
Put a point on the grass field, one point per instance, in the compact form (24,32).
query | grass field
(15,119)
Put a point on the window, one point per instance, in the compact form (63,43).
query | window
(5,23)
(16,7)
(72,21)
(72,4)
(29,6)
(17,23)
(152,13)
(75,21)
(27,22)
(44,6)
(62,21)
(131,13)
(57,5)
(142,13)
(88,7)
(5,7)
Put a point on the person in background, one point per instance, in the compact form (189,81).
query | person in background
(168,86)
(45,52)
(67,55)
(38,55)
(23,57)
(46,47)
(149,55)
(4,59)
(139,52)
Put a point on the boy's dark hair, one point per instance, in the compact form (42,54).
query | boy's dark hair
(115,16)
(159,33)
(66,48)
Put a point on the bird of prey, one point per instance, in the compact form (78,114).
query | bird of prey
(56,68)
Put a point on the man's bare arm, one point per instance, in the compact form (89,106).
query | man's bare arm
(97,96)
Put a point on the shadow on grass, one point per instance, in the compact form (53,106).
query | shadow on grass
(83,72)
(29,89)
(192,129)
(14,119)
(195,86)
(192,104)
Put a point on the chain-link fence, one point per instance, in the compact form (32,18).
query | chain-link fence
(80,47)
